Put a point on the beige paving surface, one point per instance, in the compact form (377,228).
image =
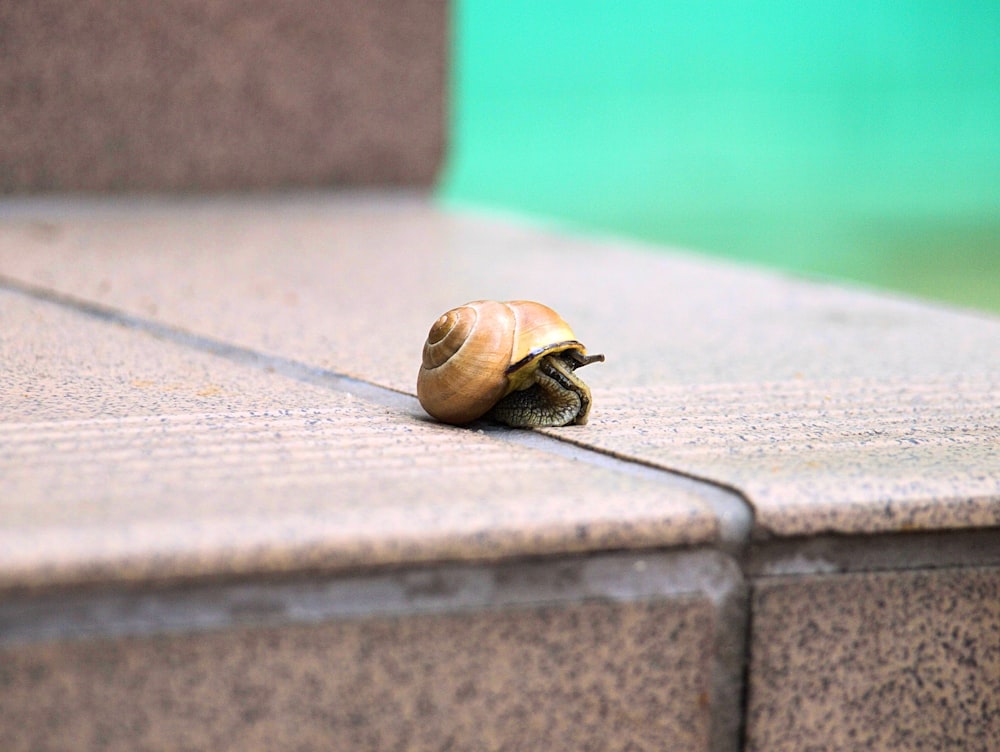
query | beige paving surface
(831,409)
(902,453)
(126,457)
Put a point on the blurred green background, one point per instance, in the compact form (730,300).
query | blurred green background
(852,139)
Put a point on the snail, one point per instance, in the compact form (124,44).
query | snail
(513,362)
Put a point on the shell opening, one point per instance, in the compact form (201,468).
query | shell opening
(539,351)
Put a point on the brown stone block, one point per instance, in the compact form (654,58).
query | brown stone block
(887,661)
(583,675)
(179,95)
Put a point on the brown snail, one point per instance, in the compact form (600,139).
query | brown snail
(513,362)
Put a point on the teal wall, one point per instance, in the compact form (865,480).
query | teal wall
(854,139)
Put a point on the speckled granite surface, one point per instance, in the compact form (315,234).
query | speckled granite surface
(178,95)
(574,677)
(895,454)
(831,409)
(124,457)
(888,661)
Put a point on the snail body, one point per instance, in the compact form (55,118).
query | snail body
(510,361)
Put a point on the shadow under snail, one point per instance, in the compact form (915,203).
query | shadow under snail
(512,362)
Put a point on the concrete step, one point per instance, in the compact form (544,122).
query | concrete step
(228,523)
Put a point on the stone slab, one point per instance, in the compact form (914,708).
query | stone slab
(888,661)
(124,457)
(831,409)
(108,96)
(586,675)
(630,667)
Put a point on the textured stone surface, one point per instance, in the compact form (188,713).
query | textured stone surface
(590,676)
(106,95)
(889,661)
(832,409)
(899,453)
(124,457)
(128,458)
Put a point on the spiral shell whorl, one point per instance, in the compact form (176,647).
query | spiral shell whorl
(447,335)
(464,359)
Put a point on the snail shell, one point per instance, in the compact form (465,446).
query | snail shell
(515,358)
